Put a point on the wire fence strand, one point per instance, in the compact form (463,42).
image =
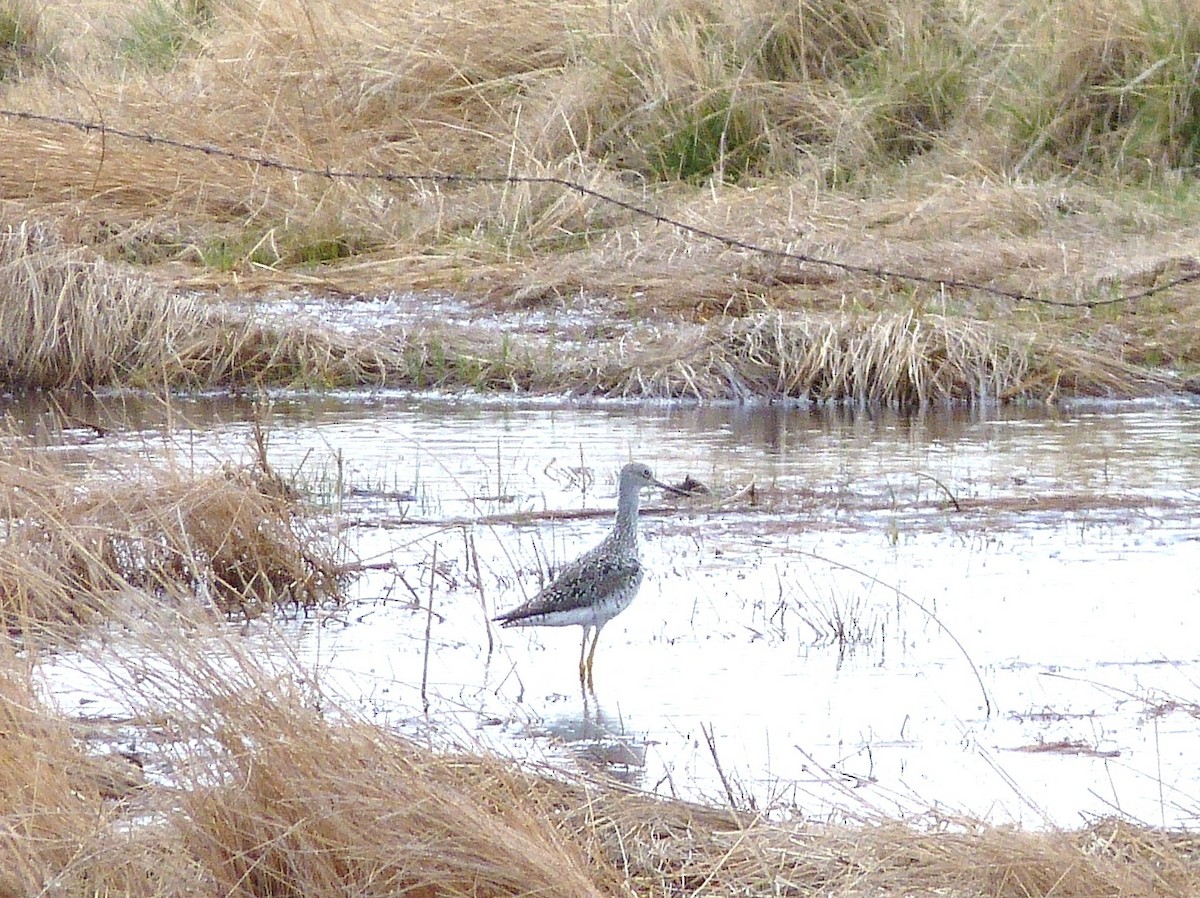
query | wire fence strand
(878,272)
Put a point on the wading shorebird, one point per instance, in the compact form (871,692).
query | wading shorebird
(600,584)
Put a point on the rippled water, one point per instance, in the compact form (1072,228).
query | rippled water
(991,613)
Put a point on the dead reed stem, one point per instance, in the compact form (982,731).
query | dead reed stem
(428,629)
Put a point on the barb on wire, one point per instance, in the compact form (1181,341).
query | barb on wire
(877,272)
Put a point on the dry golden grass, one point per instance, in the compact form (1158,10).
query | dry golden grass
(82,321)
(899,359)
(41,805)
(62,829)
(903,359)
(92,324)
(276,792)
(308,807)
(1039,147)
(79,544)
(86,323)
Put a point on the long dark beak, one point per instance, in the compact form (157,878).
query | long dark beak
(666,487)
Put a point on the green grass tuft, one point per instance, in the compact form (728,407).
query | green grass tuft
(1116,93)
(162,31)
(712,138)
(21,37)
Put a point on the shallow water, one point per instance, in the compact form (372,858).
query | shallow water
(851,646)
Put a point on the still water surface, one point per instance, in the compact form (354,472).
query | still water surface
(852,644)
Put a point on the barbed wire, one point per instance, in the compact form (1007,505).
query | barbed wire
(875,271)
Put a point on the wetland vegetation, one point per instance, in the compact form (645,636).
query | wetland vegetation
(1044,150)
(978,202)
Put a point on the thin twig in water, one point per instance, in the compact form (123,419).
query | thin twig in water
(987,701)
(487,623)
(921,475)
(1162,802)
(428,628)
(712,750)
(416,599)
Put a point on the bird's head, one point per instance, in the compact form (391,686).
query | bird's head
(641,476)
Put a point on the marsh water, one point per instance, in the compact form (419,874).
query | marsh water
(989,612)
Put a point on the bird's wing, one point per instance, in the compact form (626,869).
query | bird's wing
(594,574)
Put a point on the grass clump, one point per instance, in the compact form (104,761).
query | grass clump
(910,98)
(22,38)
(273,790)
(78,546)
(274,249)
(77,321)
(225,254)
(715,137)
(66,817)
(85,323)
(721,90)
(907,360)
(1114,90)
(161,31)
(393,819)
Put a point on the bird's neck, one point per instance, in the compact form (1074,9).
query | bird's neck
(625,530)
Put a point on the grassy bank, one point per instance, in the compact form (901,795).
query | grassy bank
(76,321)
(274,791)
(1043,148)
(90,324)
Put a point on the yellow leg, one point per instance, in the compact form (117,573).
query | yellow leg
(591,658)
(582,649)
